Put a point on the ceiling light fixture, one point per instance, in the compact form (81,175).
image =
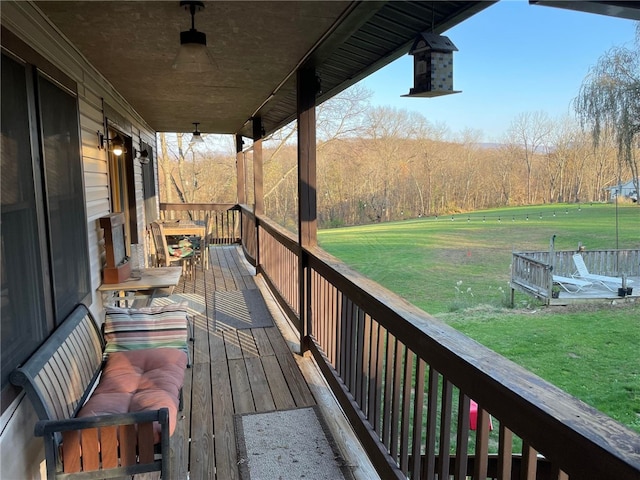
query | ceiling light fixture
(197,136)
(193,55)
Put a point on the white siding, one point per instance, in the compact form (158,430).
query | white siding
(21,454)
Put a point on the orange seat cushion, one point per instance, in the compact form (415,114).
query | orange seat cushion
(139,380)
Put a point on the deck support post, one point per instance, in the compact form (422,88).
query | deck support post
(240,172)
(258,206)
(307,88)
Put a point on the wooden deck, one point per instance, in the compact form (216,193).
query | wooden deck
(597,293)
(531,273)
(234,371)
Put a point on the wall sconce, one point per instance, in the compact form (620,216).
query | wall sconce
(117,144)
(196,138)
(193,55)
(432,66)
(144,157)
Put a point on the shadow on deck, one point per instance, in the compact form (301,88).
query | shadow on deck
(241,363)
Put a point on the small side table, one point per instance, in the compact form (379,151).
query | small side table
(146,280)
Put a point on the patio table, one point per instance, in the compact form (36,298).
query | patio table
(142,280)
(187,229)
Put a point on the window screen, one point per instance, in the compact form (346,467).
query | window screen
(65,197)
(24,324)
(43,236)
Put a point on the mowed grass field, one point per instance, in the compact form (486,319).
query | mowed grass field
(458,268)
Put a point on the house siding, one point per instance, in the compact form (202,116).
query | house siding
(625,190)
(22,454)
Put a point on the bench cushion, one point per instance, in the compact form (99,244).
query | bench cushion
(139,380)
(150,327)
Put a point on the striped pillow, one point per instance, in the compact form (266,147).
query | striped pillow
(150,327)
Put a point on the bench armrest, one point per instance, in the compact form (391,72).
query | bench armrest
(99,444)
(45,427)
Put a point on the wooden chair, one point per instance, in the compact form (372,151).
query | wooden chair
(206,241)
(164,258)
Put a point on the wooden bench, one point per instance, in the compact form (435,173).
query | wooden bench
(58,379)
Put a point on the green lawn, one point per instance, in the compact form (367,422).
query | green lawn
(458,270)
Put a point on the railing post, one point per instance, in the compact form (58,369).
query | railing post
(307,88)
(240,171)
(306,313)
(258,208)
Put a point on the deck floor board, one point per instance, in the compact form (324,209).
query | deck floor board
(262,396)
(234,371)
(202,461)
(242,397)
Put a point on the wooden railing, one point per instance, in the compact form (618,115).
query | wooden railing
(532,272)
(612,263)
(280,266)
(405,381)
(222,219)
(249,238)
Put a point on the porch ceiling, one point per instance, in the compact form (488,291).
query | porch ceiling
(257,47)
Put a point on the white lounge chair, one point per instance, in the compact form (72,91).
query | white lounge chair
(570,284)
(605,281)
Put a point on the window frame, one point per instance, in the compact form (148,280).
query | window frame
(38,69)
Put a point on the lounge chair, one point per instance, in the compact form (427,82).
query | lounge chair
(570,284)
(610,283)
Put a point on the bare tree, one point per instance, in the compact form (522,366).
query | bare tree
(181,168)
(531,131)
(610,98)
(564,137)
(504,167)
(469,165)
(337,118)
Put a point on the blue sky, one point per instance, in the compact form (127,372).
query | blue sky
(512,58)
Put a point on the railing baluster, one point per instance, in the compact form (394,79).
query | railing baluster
(388,399)
(359,377)
(482,444)
(318,309)
(373,386)
(396,403)
(505,450)
(418,406)
(365,366)
(432,420)
(445,429)
(406,410)
(379,379)
(462,446)
(334,312)
(341,329)
(529,462)
(349,321)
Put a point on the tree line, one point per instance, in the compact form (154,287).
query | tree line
(396,165)
(382,163)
